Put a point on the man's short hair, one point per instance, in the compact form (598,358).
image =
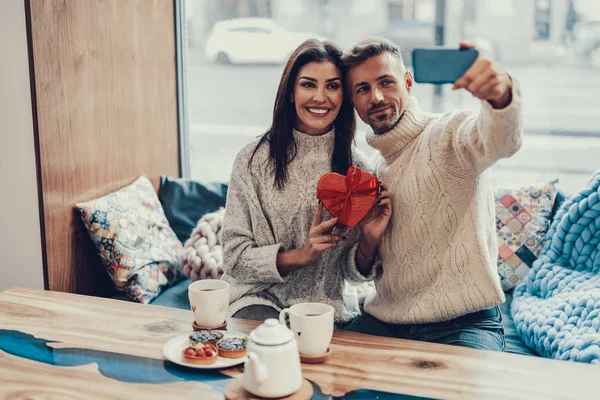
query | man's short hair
(370,47)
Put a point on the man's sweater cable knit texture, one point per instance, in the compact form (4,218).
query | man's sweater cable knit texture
(439,253)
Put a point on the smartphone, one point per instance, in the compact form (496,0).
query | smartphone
(441,65)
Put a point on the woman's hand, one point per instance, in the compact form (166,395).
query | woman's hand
(373,225)
(319,238)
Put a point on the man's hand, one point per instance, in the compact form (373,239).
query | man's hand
(486,80)
(373,225)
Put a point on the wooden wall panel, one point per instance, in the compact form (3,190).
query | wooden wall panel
(106,103)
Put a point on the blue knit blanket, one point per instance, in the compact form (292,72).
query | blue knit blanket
(557,307)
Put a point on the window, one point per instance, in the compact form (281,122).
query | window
(543,19)
(551,46)
(469,10)
(395,11)
(249,29)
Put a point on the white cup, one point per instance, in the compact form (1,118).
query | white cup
(313,325)
(209,300)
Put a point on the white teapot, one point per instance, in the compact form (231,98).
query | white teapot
(273,365)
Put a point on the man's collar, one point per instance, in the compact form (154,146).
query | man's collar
(409,126)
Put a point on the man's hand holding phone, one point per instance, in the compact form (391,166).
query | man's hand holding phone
(486,80)
(465,68)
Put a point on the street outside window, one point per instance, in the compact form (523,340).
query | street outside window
(236,50)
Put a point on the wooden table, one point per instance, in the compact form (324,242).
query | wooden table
(87,347)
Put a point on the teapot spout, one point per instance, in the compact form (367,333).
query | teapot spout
(259,371)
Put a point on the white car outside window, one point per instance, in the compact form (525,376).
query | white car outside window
(251,40)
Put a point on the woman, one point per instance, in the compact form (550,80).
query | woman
(278,251)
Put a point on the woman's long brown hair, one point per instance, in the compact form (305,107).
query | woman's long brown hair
(280,138)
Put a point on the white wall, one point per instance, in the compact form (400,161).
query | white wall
(20,248)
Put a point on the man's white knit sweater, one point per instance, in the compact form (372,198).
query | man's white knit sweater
(439,252)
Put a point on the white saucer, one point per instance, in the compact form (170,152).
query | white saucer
(174,348)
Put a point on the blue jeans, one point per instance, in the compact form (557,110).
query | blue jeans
(477,333)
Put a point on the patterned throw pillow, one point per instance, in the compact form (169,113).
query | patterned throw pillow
(522,221)
(140,251)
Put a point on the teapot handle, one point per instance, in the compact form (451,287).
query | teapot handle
(259,371)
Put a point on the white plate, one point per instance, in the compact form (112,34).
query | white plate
(174,348)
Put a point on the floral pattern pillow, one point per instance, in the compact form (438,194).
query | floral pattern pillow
(137,246)
(522,221)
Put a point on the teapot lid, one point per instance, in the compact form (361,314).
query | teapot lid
(271,333)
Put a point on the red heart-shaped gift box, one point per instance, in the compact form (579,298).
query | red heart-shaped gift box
(348,197)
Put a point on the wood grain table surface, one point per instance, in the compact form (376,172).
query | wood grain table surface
(61,345)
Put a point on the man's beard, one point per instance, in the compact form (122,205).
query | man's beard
(385,122)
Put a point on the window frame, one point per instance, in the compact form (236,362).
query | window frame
(181,34)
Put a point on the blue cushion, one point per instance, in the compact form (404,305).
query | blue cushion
(185,201)
(561,197)
(514,344)
(176,296)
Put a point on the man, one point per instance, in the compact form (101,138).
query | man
(439,280)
